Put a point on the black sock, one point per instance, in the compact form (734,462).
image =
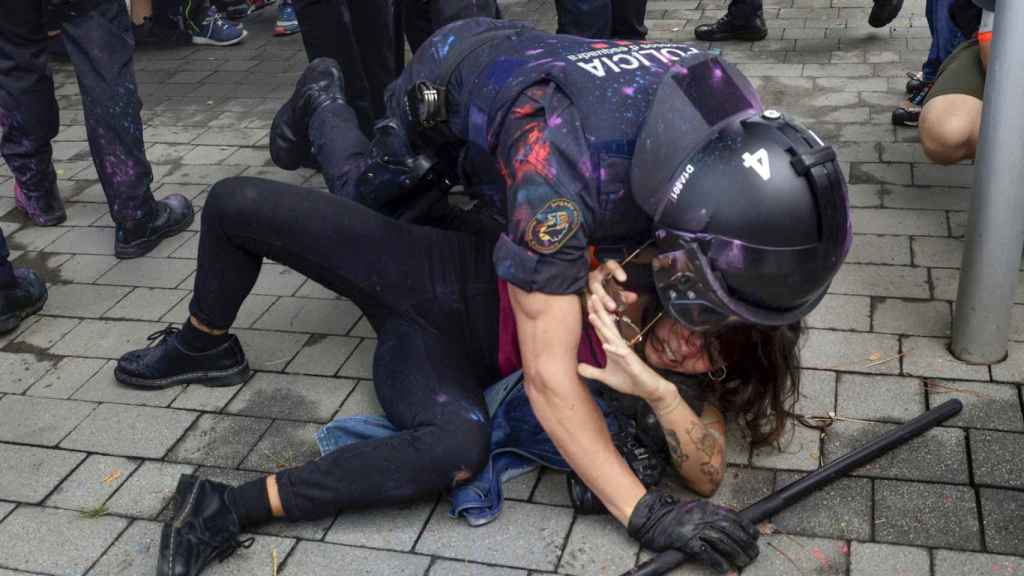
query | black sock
(195,340)
(251,503)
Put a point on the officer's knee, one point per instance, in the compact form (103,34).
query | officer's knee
(948,129)
(466,447)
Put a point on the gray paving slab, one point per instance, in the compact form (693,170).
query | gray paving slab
(934,515)
(43,333)
(850,351)
(841,510)
(598,545)
(916,317)
(30,473)
(930,357)
(55,541)
(319,558)
(306,398)
(323,355)
(39,421)
(146,304)
(148,272)
(525,536)
(276,280)
(103,387)
(360,363)
(841,312)
(311,316)
(389,528)
(552,489)
(23,370)
(95,480)
(886,281)
(1012,369)
(817,393)
(800,450)
(456,568)
(123,430)
(219,440)
(66,377)
(939,455)
(1002,513)
(783,555)
(205,398)
(5,509)
(870,559)
(270,351)
(997,458)
(880,398)
(106,338)
(956,563)
(95,241)
(83,300)
(285,444)
(148,490)
(986,405)
(361,402)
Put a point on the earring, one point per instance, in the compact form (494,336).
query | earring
(718,374)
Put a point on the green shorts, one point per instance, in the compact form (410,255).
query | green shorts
(961,73)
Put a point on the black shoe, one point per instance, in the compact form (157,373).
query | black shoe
(167,364)
(884,12)
(727,28)
(161,33)
(915,80)
(172,215)
(204,529)
(909,112)
(320,84)
(22,301)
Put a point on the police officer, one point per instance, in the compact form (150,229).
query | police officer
(744,20)
(571,143)
(602,18)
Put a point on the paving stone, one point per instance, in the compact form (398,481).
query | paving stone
(878,173)
(986,405)
(526,536)
(598,545)
(205,398)
(870,559)
(841,312)
(270,351)
(931,357)
(5,509)
(39,421)
(1002,513)
(939,455)
(323,355)
(800,450)
(167,153)
(840,510)
(360,363)
(361,402)
(208,155)
(130,430)
(880,398)
(312,289)
(317,558)
(1011,369)
(196,174)
(92,483)
(388,528)
(149,272)
(923,198)
(916,317)
(66,377)
(97,241)
(285,445)
(275,280)
(146,304)
(888,281)
(871,249)
(998,458)
(172,134)
(311,316)
(815,556)
(20,371)
(56,541)
(938,252)
(43,334)
(453,568)
(740,487)
(103,387)
(951,563)
(934,515)
(148,490)
(934,175)
(850,351)
(106,338)
(219,440)
(520,487)
(35,238)
(83,300)
(552,489)
(817,393)
(230,137)
(305,398)
(30,473)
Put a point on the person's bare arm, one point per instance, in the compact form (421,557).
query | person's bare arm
(696,444)
(549,329)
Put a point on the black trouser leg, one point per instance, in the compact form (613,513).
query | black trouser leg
(417,22)
(6,270)
(628,19)
(101,46)
(587,18)
(745,10)
(430,295)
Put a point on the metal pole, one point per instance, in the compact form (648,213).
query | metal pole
(995,231)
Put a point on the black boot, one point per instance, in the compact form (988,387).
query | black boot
(730,28)
(170,216)
(320,84)
(884,12)
(25,299)
(168,364)
(203,529)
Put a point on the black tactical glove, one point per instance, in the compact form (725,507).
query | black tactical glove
(715,535)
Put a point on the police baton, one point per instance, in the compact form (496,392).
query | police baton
(774,503)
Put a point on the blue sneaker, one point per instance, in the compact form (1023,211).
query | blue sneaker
(287,21)
(215,31)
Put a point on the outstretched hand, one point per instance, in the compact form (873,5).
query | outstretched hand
(604,282)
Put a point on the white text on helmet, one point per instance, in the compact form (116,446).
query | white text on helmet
(677,188)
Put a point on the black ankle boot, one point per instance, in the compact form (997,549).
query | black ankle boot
(203,529)
(25,299)
(729,28)
(320,84)
(884,12)
(170,216)
(168,363)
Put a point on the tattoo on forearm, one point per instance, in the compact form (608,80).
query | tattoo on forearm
(711,472)
(705,441)
(675,449)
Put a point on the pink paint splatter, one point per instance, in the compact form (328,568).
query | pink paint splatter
(844,549)
(535,51)
(555,120)
(629,90)
(820,556)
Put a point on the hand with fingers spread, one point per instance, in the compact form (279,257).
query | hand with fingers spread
(605,283)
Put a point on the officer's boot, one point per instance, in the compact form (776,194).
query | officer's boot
(731,27)
(320,84)
(168,217)
(204,529)
(24,299)
(884,12)
(43,208)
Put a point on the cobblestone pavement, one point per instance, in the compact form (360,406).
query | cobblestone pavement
(73,443)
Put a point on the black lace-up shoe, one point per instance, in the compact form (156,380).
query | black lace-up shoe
(204,529)
(25,299)
(172,215)
(320,84)
(728,28)
(167,364)
(884,12)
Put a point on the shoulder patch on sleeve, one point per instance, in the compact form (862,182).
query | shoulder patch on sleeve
(553,226)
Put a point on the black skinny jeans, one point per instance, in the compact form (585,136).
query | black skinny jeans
(430,295)
(602,18)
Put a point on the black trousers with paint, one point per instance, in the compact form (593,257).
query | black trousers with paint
(98,36)
(430,295)
(745,10)
(602,18)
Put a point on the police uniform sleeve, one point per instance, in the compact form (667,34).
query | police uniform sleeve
(539,149)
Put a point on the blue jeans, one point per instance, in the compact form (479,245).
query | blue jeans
(945,37)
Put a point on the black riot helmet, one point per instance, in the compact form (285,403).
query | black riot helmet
(750,208)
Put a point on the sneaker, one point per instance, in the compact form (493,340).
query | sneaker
(171,215)
(287,21)
(319,85)
(205,529)
(46,209)
(167,364)
(728,28)
(25,299)
(215,31)
(909,112)
(884,12)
